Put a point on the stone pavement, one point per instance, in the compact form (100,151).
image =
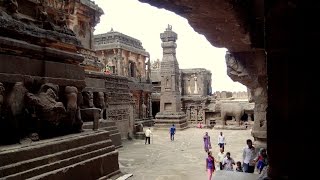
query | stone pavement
(182,159)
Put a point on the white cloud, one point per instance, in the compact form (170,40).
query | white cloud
(145,22)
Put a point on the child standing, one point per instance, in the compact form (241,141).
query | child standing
(239,167)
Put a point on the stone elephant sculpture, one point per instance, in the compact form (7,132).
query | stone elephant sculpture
(235,110)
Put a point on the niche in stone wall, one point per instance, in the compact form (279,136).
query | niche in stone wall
(167,106)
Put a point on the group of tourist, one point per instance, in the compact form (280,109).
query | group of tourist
(251,158)
(226,162)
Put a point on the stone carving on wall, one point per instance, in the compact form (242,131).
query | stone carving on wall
(168,82)
(193,114)
(73,111)
(200,114)
(195,84)
(99,102)
(188,86)
(48,15)
(156,64)
(46,104)
(87,99)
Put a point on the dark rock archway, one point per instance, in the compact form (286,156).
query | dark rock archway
(259,37)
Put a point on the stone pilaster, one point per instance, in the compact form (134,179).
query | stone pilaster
(249,68)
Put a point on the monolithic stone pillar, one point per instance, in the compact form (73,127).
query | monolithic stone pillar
(249,68)
(170,99)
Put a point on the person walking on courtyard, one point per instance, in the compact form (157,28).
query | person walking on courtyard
(207,142)
(249,154)
(228,163)
(221,140)
(210,167)
(172,132)
(239,167)
(148,134)
(221,156)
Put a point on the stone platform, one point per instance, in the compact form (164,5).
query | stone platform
(109,126)
(231,127)
(87,155)
(165,120)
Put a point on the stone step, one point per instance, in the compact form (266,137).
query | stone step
(43,160)
(18,153)
(116,139)
(61,164)
(111,129)
(166,126)
(109,126)
(105,165)
(102,124)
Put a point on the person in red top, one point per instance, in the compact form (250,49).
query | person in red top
(262,160)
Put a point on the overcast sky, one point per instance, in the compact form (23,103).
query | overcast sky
(145,22)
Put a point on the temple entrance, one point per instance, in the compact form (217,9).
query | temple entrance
(155,108)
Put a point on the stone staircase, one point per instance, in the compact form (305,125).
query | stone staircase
(88,155)
(107,125)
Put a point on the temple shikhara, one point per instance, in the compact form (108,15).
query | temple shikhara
(69,98)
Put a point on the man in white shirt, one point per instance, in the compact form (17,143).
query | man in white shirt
(249,154)
(221,140)
(148,133)
(221,156)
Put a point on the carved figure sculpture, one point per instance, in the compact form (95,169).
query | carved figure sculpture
(87,99)
(231,109)
(41,13)
(73,115)
(12,6)
(99,102)
(48,109)
(144,111)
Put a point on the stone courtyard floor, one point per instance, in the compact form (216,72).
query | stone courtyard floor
(182,159)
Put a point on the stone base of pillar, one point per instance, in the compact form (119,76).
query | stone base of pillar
(260,139)
(164,120)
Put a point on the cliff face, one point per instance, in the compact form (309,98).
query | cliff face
(237,26)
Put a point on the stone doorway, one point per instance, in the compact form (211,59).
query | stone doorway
(155,108)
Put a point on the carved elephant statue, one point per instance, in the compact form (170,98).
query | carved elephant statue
(235,110)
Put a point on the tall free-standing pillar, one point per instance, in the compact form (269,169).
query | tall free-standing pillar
(170,99)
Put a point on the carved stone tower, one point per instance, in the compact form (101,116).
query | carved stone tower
(170,99)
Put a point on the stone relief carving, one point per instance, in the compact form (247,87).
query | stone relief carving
(168,83)
(46,104)
(87,99)
(193,114)
(195,84)
(234,67)
(73,111)
(200,114)
(156,64)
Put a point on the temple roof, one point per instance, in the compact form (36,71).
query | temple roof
(114,39)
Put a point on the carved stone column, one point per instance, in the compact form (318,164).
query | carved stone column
(150,106)
(249,68)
